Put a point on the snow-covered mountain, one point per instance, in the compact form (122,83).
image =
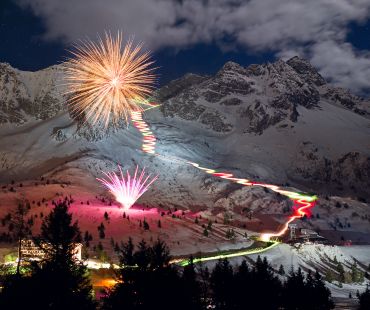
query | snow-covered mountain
(278,122)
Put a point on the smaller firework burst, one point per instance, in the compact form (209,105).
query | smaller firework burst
(127,190)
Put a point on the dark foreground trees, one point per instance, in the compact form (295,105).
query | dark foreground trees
(260,288)
(306,293)
(148,280)
(19,226)
(364,299)
(57,282)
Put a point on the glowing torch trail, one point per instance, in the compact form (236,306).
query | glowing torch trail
(127,190)
(148,137)
(303,202)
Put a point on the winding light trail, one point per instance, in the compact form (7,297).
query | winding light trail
(185,262)
(149,139)
(303,203)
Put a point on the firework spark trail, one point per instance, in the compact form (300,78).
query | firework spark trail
(127,190)
(303,202)
(107,80)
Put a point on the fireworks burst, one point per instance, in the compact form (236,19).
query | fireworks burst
(108,80)
(127,190)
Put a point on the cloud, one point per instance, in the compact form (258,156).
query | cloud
(313,29)
(342,65)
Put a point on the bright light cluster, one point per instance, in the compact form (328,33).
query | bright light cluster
(107,80)
(127,190)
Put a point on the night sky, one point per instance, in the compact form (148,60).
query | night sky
(31,40)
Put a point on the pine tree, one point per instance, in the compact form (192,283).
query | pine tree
(160,255)
(264,279)
(59,281)
(20,227)
(101,229)
(145,225)
(294,290)
(341,272)
(221,283)
(147,279)
(281,270)
(243,283)
(329,276)
(322,295)
(230,234)
(364,299)
(205,232)
(126,253)
(356,274)
(142,255)
(191,292)
(87,238)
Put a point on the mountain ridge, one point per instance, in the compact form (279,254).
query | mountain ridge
(270,114)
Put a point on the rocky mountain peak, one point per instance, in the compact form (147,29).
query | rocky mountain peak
(306,71)
(176,86)
(231,67)
(258,97)
(5,66)
(26,95)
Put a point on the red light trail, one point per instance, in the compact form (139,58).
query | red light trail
(303,202)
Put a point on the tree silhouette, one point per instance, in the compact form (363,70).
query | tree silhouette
(101,229)
(20,227)
(146,275)
(321,295)
(221,283)
(294,290)
(243,286)
(191,289)
(145,225)
(281,270)
(59,281)
(264,280)
(364,299)
(306,293)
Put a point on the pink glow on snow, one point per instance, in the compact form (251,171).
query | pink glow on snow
(127,189)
